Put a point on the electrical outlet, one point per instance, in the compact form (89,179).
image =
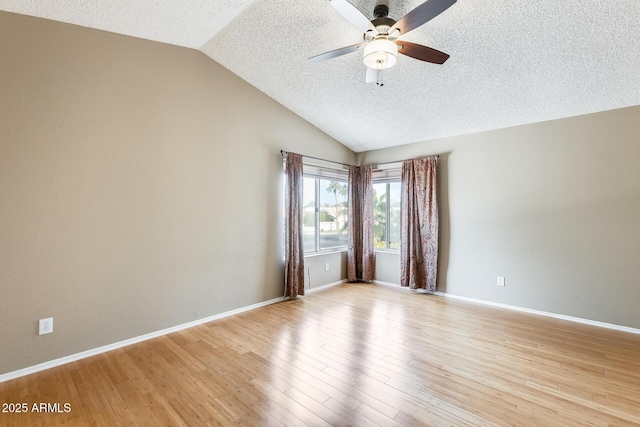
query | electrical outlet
(326,267)
(500,281)
(45,326)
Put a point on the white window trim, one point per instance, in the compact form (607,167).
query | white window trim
(317,172)
(388,180)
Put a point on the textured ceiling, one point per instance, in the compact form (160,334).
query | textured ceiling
(189,23)
(512,62)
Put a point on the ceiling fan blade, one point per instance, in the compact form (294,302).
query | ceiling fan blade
(372,75)
(421,14)
(337,52)
(422,53)
(353,15)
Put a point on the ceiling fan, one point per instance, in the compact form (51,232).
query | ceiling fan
(381,45)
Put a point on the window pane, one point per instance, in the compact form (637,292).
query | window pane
(333,214)
(380,216)
(394,215)
(309,214)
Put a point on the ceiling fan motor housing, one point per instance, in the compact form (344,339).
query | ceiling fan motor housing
(381,52)
(381,11)
(381,20)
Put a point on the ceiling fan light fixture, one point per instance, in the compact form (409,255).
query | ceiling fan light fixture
(380,53)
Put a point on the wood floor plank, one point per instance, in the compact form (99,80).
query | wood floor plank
(352,355)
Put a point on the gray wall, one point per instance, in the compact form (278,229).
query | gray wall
(554,207)
(316,273)
(140,186)
(387,267)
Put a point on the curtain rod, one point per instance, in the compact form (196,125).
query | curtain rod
(284,153)
(437,156)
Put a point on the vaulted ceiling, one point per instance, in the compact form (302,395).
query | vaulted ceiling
(512,62)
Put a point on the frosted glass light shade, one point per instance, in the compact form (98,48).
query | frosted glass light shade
(380,54)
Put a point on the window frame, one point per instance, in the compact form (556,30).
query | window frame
(387,181)
(317,249)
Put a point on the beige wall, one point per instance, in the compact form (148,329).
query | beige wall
(554,207)
(140,186)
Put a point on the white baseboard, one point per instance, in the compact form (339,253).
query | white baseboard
(526,310)
(329,285)
(88,353)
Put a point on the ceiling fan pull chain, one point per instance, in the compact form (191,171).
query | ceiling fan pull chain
(380,82)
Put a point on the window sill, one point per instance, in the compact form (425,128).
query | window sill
(326,252)
(387,251)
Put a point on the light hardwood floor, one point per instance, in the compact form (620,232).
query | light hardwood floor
(356,354)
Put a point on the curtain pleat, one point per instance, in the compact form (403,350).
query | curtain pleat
(419,224)
(360,256)
(294,251)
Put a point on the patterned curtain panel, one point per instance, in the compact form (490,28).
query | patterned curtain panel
(360,258)
(419,224)
(294,251)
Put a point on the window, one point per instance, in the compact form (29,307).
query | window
(309,214)
(325,214)
(386,215)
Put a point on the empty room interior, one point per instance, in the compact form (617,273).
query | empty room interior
(145,187)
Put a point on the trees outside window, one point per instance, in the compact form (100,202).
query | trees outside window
(326,213)
(325,216)
(386,215)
